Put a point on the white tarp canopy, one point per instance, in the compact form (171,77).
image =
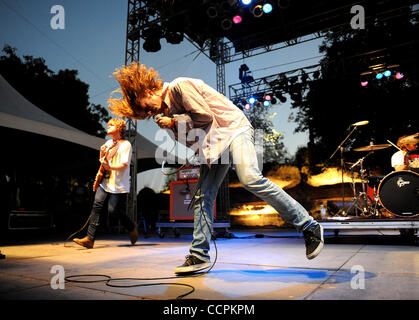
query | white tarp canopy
(18,113)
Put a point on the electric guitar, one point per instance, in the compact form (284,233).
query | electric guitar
(101,172)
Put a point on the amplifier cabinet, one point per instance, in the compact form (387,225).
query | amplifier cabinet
(181,194)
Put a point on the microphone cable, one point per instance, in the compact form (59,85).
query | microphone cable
(108,279)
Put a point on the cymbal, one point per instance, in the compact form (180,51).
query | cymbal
(373,147)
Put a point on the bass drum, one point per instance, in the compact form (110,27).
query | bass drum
(398,192)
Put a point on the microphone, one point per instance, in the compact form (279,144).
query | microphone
(360,123)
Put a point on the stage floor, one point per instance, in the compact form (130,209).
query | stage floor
(357,265)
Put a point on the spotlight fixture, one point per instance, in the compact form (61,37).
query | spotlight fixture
(246,2)
(226,24)
(387,73)
(399,75)
(252,100)
(212,12)
(174,37)
(267,8)
(237,19)
(247,106)
(152,39)
(258,11)
(364,80)
(152,45)
(281,98)
(379,76)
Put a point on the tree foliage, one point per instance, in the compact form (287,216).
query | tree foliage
(62,94)
(331,104)
(273,146)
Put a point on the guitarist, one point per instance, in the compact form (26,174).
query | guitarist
(115,157)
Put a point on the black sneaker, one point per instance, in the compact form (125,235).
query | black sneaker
(192,264)
(314,241)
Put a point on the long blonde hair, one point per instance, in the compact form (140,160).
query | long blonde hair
(134,80)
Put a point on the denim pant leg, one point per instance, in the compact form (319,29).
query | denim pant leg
(209,182)
(117,206)
(97,208)
(242,150)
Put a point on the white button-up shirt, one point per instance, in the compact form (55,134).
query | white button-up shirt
(195,105)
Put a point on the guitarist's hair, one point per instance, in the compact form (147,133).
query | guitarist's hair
(120,124)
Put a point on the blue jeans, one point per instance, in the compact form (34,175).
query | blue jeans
(244,159)
(116,205)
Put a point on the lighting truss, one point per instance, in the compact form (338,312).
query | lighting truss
(279,82)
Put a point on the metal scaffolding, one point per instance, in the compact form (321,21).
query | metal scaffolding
(132,54)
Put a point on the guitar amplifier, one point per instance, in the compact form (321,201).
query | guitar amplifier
(188,173)
(181,194)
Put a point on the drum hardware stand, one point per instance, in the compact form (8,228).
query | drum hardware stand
(366,208)
(340,147)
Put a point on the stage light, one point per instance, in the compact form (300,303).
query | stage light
(212,12)
(226,24)
(257,11)
(399,75)
(252,100)
(268,97)
(387,73)
(152,45)
(266,103)
(281,97)
(237,19)
(246,2)
(247,106)
(152,37)
(379,76)
(174,37)
(267,8)
(364,80)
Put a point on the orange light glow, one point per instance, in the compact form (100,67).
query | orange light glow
(330,176)
(249,209)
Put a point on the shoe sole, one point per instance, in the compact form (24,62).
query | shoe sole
(81,244)
(191,269)
(319,247)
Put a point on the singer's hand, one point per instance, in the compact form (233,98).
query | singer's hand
(164,122)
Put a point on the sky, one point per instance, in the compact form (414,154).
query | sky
(93,42)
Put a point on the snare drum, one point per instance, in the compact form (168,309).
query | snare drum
(398,192)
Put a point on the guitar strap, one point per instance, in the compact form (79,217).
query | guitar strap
(112,152)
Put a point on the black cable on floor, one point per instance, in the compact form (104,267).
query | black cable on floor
(109,279)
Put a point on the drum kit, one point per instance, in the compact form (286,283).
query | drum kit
(395,194)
